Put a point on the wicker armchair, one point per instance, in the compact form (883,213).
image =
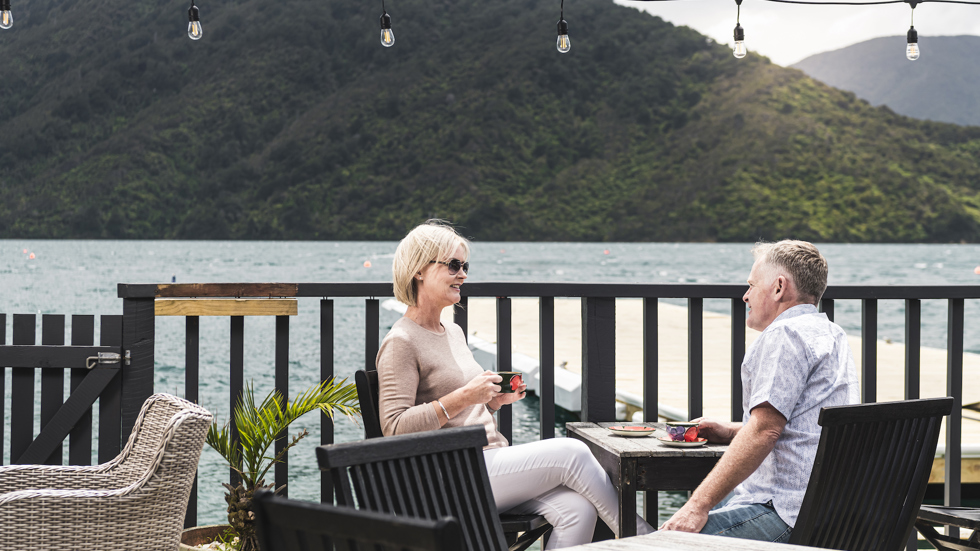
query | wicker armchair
(136,501)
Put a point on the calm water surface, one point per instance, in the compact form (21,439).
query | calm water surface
(80,277)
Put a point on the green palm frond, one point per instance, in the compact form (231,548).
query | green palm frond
(259,425)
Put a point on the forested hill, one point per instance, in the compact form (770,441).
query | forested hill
(289,120)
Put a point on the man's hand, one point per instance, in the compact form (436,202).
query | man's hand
(688,518)
(717,432)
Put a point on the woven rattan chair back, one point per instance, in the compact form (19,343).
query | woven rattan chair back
(289,525)
(870,474)
(428,475)
(137,501)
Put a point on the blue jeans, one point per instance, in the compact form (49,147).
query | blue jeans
(757,521)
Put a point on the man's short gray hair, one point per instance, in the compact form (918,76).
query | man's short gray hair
(800,261)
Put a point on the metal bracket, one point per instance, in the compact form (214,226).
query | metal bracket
(106,358)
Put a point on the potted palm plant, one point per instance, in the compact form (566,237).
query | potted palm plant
(251,456)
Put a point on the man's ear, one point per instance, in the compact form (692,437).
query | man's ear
(779,288)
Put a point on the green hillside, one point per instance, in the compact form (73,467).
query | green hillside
(288,120)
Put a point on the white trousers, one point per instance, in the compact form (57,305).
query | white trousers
(560,479)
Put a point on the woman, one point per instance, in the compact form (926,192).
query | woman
(428,379)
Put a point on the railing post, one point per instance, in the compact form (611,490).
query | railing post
(954,423)
(651,361)
(827,307)
(913,337)
(282,385)
(192,359)
(372,325)
(546,366)
(504,362)
(80,441)
(52,380)
(111,400)
(22,392)
(651,390)
(598,359)
(460,317)
(3,382)
(326,373)
(869,350)
(236,380)
(738,354)
(137,378)
(695,357)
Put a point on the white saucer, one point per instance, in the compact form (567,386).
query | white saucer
(676,444)
(631,431)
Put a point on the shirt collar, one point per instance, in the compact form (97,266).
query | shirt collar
(798,310)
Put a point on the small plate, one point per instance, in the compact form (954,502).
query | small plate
(675,444)
(631,430)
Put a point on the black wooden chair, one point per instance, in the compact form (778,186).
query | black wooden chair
(870,474)
(289,525)
(960,517)
(520,531)
(427,475)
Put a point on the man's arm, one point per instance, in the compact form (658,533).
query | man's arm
(748,449)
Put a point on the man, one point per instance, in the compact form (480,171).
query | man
(800,363)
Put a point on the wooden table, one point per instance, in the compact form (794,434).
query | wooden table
(644,464)
(682,541)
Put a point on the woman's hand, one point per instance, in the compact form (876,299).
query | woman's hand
(505,398)
(482,388)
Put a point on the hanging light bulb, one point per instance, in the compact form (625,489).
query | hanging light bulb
(564,44)
(739,50)
(912,50)
(387,35)
(194,29)
(6,18)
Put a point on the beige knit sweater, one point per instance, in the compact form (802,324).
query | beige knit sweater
(417,366)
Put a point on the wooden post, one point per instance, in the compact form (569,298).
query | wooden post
(137,378)
(598,359)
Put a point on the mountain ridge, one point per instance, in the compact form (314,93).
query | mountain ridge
(940,86)
(290,121)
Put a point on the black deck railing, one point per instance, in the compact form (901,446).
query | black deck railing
(598,345)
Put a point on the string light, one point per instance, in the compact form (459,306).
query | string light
(564,43)
(6,18)
(739,50)
(912,50)
(387,35)
(194,29)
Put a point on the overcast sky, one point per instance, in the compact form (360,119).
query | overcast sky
(788,33)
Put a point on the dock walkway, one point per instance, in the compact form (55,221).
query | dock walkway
(672,336)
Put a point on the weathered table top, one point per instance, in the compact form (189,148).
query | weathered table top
(638,446)
(682,541)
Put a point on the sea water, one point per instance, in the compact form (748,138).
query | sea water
(80,277)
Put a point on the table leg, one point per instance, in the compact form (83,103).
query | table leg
(651,507)
(627,512)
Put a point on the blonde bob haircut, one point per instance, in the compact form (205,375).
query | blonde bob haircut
(433,240)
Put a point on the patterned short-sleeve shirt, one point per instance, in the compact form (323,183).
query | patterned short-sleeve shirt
(799,364)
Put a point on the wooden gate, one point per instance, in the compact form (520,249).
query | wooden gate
(94,374)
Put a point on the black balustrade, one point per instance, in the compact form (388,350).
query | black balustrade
(134,332)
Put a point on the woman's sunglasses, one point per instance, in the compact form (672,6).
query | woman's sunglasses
(454,265)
